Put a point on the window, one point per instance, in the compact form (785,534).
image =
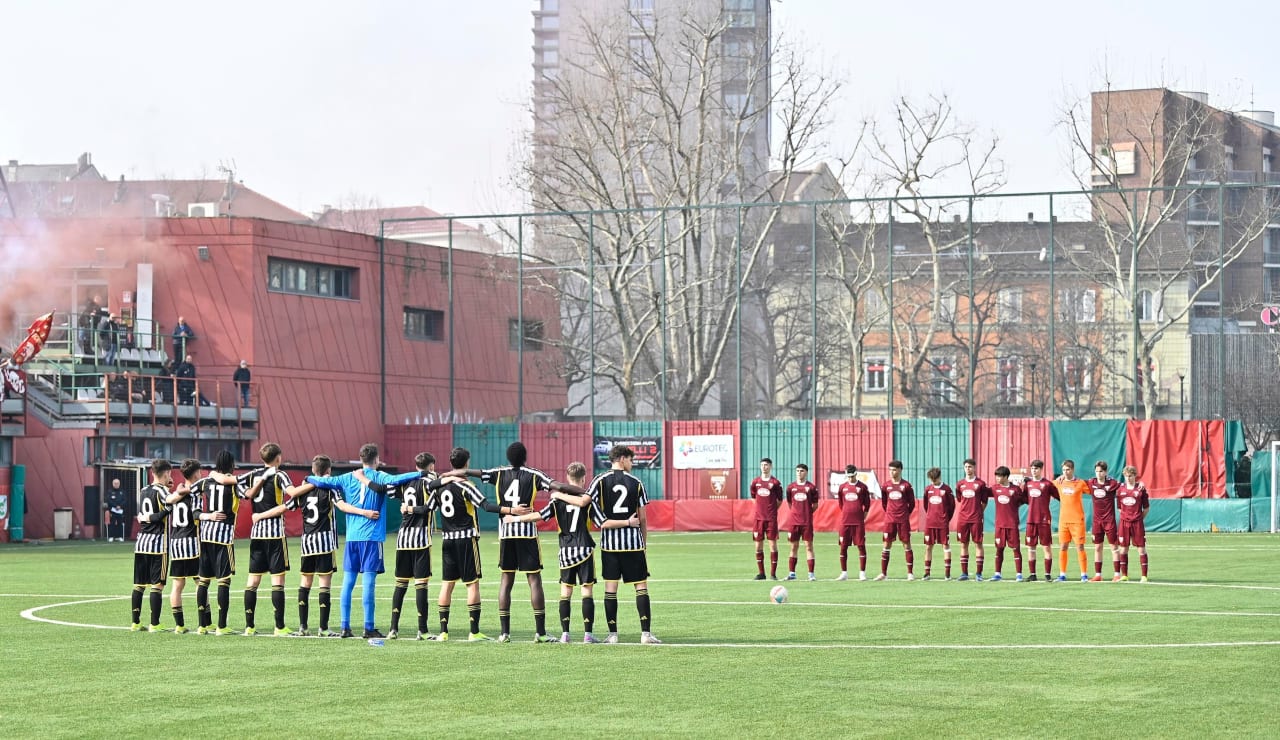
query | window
(550,6)
(947,307)
(641,51)
(1148,306)
(310,278)
(550,57)
(874,303)
(738,104)
(875,375)
(1077,373)
(1009,381)
(642,6)
(735,48)
(942,390)
(1078,305)
(549,22)
(1010,305)
(533,336)
(423,323)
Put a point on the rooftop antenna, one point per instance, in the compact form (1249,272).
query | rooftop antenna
(5,199)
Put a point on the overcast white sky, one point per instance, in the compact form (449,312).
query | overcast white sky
(423,102)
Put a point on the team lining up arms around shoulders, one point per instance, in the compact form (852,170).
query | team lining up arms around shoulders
(188,531)
(1119,512)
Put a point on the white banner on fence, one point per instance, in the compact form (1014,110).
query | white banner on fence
(702,451)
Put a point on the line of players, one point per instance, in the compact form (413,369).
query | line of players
(969,498)
(188,531)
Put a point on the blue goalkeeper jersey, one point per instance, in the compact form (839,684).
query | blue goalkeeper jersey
(360,529)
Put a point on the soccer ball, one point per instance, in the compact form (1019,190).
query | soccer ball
(778,595)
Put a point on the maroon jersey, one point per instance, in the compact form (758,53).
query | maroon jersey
(898,499)
(971,499)
(1133,501)
(1038,494)
(1104,500)
(803,498)
(768,494)
(855,500)
(939,505)
(1009,498)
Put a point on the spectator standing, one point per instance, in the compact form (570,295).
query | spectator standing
(241,377)
(182,334)
(185,372)
(90,315)
(109,337)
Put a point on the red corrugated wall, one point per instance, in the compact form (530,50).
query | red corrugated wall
(404,442)
(1011,442)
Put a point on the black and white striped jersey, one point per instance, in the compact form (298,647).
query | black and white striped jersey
(319,535)
(617,494)
(184,527)
(217,497)
(269,496)
(517,487)
(576,544)
(415,529)
(152,532)
(457,504)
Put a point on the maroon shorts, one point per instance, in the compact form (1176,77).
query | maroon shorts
(1039,534)
(937,536)
(966,531)
(1007,536)
(1107,530)
(1133,534)
(765,530)
(853,535)
(900,531)
(802,532)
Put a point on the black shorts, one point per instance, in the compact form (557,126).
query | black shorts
(461,559)
(148,569)
(413,563)
(268,556)
(519,554)
(581,574)
(628,566)
(185,568)
(317,565)
(217,560)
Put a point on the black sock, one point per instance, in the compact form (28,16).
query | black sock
(444,617)
(540,621)
(504,621)
(136,599)
(565,613)
(420,593)
(397,603)
(202,603)
(304,606)
(178,619)
(642,606)
(323,598)
(224,603)
(611,611)
(473,614)
(588,613)
(157,603)
(277,605)
(250,605)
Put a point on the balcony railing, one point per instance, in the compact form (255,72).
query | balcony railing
(147,404)
(1271,178)
(1247,176)
(1202,214)
(76,337)
(1210,297)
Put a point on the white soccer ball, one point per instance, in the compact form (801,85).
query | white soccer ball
(778,595)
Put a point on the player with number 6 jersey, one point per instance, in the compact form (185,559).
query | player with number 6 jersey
(617,495)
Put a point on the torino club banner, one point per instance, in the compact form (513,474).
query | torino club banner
(702,451)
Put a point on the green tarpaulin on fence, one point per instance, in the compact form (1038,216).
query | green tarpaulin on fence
(1087,442)
(612,431)
(1261,496)
(1215,515)
(785,441)
(923,443)
(1235,446)
(1165,515)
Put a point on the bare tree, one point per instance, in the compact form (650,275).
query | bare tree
(653,123)
(1165,221)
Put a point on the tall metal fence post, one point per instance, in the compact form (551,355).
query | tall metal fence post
(519,319)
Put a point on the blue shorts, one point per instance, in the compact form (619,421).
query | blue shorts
(363,557)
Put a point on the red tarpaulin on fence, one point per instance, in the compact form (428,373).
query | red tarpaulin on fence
(1011,442)
(1178,459)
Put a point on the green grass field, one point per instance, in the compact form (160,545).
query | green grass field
(1191,654)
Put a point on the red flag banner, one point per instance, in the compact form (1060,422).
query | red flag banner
(37,333)
(16,381)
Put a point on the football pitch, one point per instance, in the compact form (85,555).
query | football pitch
(1193,653)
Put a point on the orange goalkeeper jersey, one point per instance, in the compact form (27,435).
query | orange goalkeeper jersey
(1071,495)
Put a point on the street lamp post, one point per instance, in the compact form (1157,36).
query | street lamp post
(1182,408)
(1033,389)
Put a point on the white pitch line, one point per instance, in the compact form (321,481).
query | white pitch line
(1062,646)
(980,607)
(31,614)
(1130,584)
